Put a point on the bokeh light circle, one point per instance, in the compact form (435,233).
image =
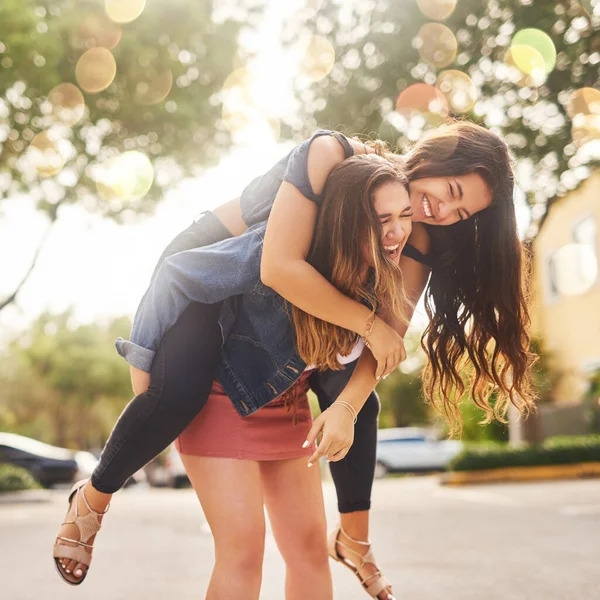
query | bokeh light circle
(45,155)
(585,128)
(126,177)
(68,105)
(154,87)
(438,10)
(318,58)
(458,89)
(540,41)
(124,11)
(575,269)
(529,63)
(436,44)
(422,99)
(98,30)
(584,101)
(95,70)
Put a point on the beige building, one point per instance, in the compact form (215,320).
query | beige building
(566,288)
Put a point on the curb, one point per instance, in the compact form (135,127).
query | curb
(540,473)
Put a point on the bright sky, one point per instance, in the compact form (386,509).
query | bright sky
(101,269)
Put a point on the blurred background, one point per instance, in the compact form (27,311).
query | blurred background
(121,120)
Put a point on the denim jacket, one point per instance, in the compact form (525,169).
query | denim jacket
(259,360)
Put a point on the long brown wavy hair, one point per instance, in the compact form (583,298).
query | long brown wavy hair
(348,231)
(477,296)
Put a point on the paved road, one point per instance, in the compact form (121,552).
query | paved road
(497,542)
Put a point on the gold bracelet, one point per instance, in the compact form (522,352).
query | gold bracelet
(368,329)
(349,408)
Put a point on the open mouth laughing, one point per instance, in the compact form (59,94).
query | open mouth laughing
(426,206)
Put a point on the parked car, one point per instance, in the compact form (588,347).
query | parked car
(48,464)
(409,449)
(167,470)
(86,463)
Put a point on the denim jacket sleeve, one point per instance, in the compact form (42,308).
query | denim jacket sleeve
(209,274)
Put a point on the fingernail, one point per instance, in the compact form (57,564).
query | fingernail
(79,573)
(305,444)
(310,464)
(63,566)
(68,571)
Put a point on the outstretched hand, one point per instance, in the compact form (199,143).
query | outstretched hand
(336,427)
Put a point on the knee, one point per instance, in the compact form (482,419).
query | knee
(308,550)
(242,550)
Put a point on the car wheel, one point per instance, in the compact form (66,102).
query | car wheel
(181,481)
(381,470)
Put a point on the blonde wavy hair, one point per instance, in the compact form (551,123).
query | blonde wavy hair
(347,241)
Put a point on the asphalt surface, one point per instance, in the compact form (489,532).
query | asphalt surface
(538,541)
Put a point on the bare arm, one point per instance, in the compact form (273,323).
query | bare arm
(335,423)
(285,269)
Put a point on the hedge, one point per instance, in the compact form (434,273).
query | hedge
(553,451)
(14,479)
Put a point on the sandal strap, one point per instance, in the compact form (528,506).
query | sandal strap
(360,542)
(88,525)
(87,504)
(356,557)
(73,552)
(64,539)
(378,586)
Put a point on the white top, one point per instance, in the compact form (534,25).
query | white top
(345,360)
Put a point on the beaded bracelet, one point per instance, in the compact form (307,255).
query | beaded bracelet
(349,408)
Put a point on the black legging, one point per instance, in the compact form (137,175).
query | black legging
(181,379)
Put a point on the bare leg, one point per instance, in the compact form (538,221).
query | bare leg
(356,526)
(230,492)
(294,501)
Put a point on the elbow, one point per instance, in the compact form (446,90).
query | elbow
(270,273)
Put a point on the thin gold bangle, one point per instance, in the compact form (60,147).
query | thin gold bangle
(349,408)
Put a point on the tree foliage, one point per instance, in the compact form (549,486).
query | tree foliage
(377,57)
(64,384)
(164,101)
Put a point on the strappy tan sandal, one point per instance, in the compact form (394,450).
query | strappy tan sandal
(88,526)
(373,584)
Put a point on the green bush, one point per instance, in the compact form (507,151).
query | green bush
(561,450)
(14,479)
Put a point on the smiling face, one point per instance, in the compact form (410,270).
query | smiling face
(392,205)
(446,200)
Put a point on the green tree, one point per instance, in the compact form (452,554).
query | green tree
(402,403)
(152,85)
(377,56)
(64,384)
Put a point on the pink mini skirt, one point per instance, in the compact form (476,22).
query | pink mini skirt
(274,432)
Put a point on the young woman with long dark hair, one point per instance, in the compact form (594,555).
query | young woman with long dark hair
(475,297)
